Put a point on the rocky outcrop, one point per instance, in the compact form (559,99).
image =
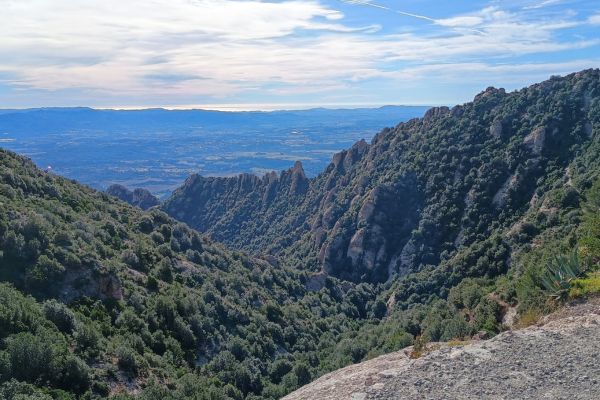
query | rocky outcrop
(347,158)
(92,281)
(557,359)
(496,129)
(535,140)
(490,92)
(141,198)
(316,282)
(502,195)
(368,247)
(435,113)
(297,178)
(589,129)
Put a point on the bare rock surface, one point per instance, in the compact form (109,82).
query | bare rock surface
(557,359)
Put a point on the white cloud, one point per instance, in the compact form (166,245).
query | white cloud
(594,19)
(486,72)
(468,20)
(181,49)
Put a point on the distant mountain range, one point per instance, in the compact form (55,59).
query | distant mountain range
(156,149)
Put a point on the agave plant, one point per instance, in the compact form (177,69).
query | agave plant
(559,274)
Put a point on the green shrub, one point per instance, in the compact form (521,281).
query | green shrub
(152,283)
(4,366)
(75,375)
(31,357)
(87,338)
(44,271)
(130,321)
(126,359)
(560,273)
(17,312)
(130,258)
(419,347)
(279,368)
(400,340)
(455,328)
(487,316)
(164,270)
(60,315)
(302,372)
(14,390)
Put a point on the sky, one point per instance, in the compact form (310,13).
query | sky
(253,54)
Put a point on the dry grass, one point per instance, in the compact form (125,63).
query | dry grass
(528,318)
(419,347)
(585,287)
(458,343)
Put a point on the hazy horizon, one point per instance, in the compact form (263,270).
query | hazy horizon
(232,107)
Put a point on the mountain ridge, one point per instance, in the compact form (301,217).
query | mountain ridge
(488,157)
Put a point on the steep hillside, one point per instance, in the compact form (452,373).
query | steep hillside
(420,194)
(133,302)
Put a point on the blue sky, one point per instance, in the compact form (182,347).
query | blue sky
(252,54)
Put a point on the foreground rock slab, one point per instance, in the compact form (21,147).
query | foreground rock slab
(560,359)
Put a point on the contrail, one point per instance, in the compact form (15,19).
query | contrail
(407,14)
(542,4)
(368,3)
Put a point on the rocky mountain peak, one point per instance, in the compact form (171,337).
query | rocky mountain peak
(141,198)
(435,112)
(489,92)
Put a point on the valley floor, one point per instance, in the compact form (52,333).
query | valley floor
(557,359)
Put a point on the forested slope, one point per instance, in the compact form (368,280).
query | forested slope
(126,301)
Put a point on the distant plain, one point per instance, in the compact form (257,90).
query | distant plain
(157,149)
